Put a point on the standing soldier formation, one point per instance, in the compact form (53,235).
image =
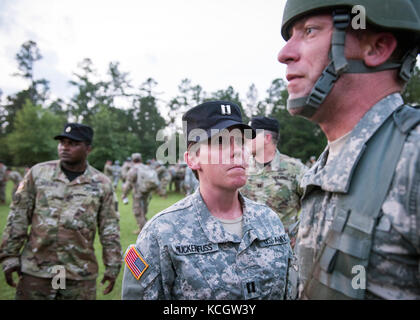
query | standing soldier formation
(190,182)
(361,204)
(16,178)
(125,168)
(180,169)
(273,178)
(142,180)
(108,169)
(214,244)
(164,178)
(116,173)
(63,202)
(3,178)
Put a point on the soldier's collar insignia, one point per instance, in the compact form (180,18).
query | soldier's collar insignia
(68,129)
(135,262)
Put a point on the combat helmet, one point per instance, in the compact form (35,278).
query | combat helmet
(392,15)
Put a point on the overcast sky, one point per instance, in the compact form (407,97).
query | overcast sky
(214,43)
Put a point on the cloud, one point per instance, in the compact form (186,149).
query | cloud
(214,43)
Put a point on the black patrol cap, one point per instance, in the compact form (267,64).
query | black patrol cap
(211,117)
(265,123)
(77,132)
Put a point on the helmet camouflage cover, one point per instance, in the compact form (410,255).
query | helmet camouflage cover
(389,14)
(393,15)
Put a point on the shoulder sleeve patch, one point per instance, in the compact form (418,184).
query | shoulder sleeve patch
(135,262)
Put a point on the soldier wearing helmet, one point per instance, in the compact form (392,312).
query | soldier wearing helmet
(359,234)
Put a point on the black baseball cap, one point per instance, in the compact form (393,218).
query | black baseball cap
(265,123)
(211,117)
(77,132)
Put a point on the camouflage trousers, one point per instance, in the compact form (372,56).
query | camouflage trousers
(35,288)
(163,186)
(2,192)
(140,206)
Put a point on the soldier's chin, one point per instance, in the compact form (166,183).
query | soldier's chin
(239,181)
(303,111)
(68,161)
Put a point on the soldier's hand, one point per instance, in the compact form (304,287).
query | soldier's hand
(8,274)
(111,284)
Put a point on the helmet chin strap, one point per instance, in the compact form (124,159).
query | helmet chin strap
(307,106)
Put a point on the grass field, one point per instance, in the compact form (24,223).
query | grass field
(127,225)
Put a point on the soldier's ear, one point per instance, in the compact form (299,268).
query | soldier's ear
(88,148)
(378,48)
(191,158)
(267,138)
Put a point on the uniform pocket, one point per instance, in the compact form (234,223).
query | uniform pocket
(271,263)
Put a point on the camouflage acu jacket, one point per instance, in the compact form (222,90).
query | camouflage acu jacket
(141,179)
(3,169)
(191,256)
(393,269)
(163,174)
(15,177)
(63,217)
(277,186)
(125,169)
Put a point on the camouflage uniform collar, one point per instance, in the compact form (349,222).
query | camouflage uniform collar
(86,177)
(256,168)
(214,229)
(275,163)
(336,176)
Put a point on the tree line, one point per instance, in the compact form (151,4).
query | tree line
(126,118)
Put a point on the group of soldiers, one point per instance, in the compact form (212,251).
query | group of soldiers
(7,174)
(177,177)
(144,179)
(261,225)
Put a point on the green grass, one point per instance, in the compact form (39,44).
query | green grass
(127,225)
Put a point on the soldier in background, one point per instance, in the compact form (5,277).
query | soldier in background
(180,176)
(142,180)
(108,169)
(3,169)
(16,178)
(116,173)
(190,182)
(172,171)
(273,178)
(164,178)
(63,202)
(125,168)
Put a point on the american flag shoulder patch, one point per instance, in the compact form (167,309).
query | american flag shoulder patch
(135,262)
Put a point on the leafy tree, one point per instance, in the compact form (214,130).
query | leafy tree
(148,122)
(253,106)
(189,96)
(110,141)
(411,93)
(26,58)
(86,101)
(37,91)
(32,140)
